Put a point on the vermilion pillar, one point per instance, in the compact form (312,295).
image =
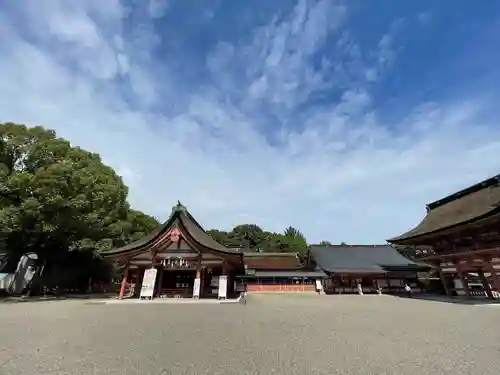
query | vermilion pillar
(124,281)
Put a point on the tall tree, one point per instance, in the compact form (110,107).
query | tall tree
(55,198)
(297,238)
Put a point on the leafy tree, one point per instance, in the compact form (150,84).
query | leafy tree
(297,239)
(247,236)
(325,243)
(55,198)
(251,237)
(220,236)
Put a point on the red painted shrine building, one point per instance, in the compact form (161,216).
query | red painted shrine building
(186,261)
(463,229)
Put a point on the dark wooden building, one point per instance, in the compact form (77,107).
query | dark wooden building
(371,266)
(464,231)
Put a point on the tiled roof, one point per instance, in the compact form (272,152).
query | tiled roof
(469,205)
(182,219)
(361,259)
(273,261)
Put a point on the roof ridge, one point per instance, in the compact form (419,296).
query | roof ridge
(352,245)
(250,253)
(487,183)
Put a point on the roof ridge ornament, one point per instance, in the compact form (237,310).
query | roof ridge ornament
(179,207)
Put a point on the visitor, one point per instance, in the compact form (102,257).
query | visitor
(408,290)
(379,291)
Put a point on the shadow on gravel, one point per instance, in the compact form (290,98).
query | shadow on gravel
(22,299)
(454,300)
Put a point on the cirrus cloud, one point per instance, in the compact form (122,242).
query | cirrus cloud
(288,116)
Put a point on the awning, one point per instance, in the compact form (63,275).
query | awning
(308,274)
(357,271)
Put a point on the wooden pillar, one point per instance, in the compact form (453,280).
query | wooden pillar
(160,280)
(485,283)
(443,280)
(203,272)
(140,276)
(198,266)
(124,281)
(463,279)
(495,280)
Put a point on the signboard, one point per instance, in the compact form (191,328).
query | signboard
(148,283)
(319,286)
(196,288)
(222,286)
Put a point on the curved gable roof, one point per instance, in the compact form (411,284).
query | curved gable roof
(185,221)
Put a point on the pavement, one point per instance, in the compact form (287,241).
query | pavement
(269,335)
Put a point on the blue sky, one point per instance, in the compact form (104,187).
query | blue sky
(342,119)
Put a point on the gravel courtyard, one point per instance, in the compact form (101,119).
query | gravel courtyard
(270,335)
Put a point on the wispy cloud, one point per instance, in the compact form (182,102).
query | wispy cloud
(285,124)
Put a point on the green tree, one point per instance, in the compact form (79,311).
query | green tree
(220,236)
(55,198)
(297,239)
(325,243)
(246,236)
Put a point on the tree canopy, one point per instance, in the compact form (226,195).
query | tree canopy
(251,237)
(56,198)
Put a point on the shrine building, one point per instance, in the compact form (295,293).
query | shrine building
(464,231)
(181,260)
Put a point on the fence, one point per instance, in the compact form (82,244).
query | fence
(276,288)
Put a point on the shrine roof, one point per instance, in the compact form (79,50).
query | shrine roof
(342,259)
(273,261)
(181,218)
(477,202)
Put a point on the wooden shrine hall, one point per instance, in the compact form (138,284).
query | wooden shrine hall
(179,259)
(463,229)
(367,266)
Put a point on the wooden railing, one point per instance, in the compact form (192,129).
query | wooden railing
(270,288)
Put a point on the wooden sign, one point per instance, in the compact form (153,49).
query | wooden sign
(196,288)
(148,283)
(319,286)
(223,286)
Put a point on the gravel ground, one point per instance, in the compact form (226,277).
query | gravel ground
(270,335)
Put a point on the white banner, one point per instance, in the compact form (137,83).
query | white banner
(148,283)
(223,286)
(196,288)
(319,286)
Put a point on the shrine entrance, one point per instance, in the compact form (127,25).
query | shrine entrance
(179,260)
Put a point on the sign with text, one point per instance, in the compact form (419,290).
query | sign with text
(319,286)
(223,286)
(196,288)
(148,283)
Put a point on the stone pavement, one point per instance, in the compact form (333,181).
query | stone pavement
(270,335)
